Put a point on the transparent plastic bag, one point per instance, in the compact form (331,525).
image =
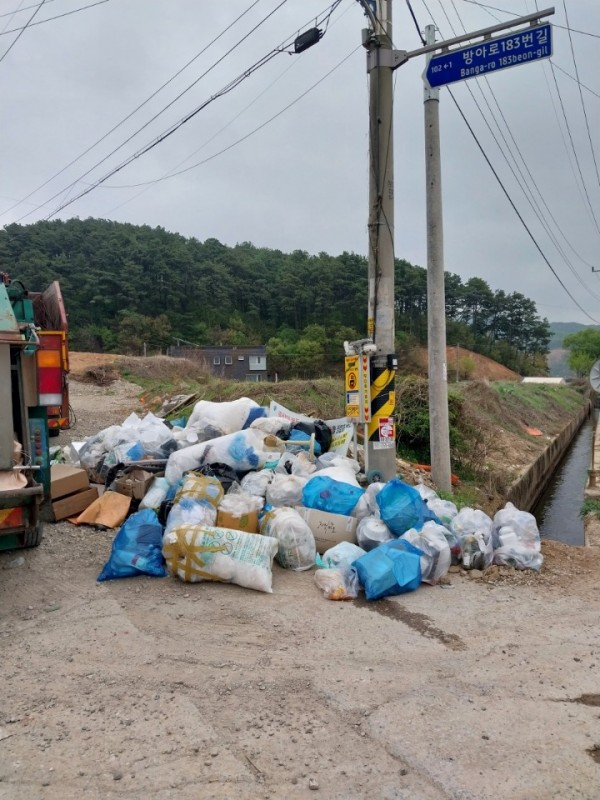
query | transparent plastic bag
(343,553)
(474,530)
(157,491)
(436,558)
(338,583)
(522,523)
(426,492)
(518,556)
(191,512)
(296,543)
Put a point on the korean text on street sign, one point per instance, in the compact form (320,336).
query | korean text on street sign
(490,55)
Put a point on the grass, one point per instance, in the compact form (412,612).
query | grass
(590,506)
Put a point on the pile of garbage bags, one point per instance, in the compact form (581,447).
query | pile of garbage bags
(238,486)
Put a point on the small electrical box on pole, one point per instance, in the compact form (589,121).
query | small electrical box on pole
(307,39)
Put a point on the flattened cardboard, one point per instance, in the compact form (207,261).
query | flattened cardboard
(73,504)
(328,529)
(66,479)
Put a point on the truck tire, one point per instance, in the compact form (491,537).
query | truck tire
(33,536)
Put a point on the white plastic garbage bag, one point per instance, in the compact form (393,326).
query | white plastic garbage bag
(426,492)
(296,543)
(210,420)
(436,557)
(256,483)
(242,451)
(445,510)
(371,493)
(371,532)
(286,490)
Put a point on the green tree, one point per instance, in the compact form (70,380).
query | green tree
(584,349)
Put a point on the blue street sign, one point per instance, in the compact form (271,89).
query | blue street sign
(490,55)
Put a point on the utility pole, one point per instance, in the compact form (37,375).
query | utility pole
(439,430)
(380,448)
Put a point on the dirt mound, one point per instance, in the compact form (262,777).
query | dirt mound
(464,364)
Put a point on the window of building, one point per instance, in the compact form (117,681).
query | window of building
(217,360)
(228,360)
(240,358)
(257,362)
(254,378)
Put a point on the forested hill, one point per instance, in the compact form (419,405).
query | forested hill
(125,285)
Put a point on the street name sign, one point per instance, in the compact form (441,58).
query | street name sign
(490,55)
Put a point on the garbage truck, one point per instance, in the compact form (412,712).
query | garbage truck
(24,450)
(46,310)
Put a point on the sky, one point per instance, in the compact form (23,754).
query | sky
(285,151)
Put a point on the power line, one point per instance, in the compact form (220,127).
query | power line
(21,32)
(587,124)
(515,209)
(22,8)
(283,48)
(577,162)
(566,27)
(568,74)
(49,19)
(135,110)
(528,193)
(242,138)
(497,176)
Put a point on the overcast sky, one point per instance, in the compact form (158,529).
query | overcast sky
(301,181)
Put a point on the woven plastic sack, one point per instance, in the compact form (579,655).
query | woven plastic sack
(136,549)
(198,553)
(200,488)
(296,544)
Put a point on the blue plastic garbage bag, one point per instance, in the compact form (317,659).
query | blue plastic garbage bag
(402,507)
(326,494)
(136,549)
(392,568)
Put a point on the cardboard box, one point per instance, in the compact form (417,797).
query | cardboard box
(73,504)
(328,529)
(65,480)
(247,523)
(134,484)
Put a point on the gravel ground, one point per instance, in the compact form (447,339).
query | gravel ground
(483,687)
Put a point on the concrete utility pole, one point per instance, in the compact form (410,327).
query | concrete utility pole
(381,454)
(439,431)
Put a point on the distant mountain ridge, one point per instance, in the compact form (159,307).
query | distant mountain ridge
(562,329)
